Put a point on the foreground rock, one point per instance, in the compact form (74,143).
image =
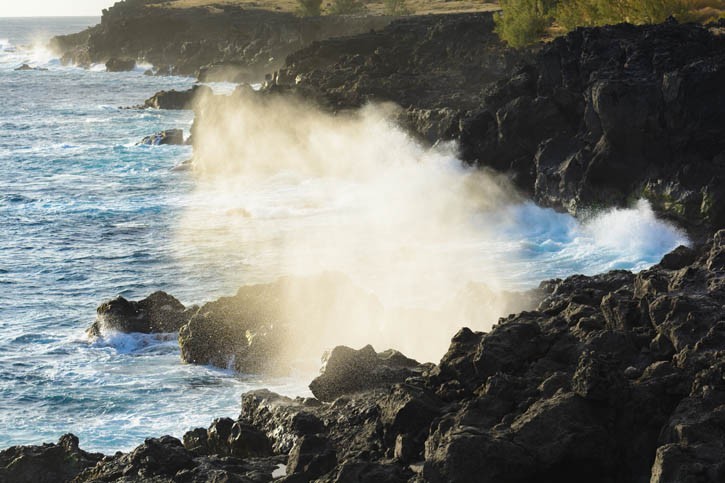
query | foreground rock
(616,377)
(258,329)
(159,312)
(347,371)
(49,463)
(218,43)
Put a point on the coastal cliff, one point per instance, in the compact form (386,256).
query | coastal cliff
(613,377)
(215,43)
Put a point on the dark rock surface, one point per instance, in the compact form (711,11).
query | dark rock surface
(347,371)
(608,115)
(249,330)
(159,312)
(615,377)
(25,67)
(170,137)
(598,118)
(434,66)
(224,42)
(49,463)
(177,100)
(120,65)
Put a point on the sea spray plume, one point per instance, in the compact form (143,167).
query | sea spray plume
(296,191)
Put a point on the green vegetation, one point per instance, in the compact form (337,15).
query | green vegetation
(309,8)
(395,7)
(522,22)
(347,7)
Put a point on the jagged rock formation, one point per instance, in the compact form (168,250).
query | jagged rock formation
(435,66)
(216,43)
(605,116)
(600,117)
(616,377)
(159,312)
(168,137)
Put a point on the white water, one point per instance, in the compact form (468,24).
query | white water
(85,214)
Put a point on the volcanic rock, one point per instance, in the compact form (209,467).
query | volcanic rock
(178,100)
(168,137)
(159,312)
(49,463)
(347,371)
(120,65)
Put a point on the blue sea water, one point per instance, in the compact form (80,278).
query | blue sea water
(86,214)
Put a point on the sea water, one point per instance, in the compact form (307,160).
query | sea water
(87,214)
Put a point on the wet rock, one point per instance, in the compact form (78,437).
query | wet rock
(159,312)
(157,458)
(312,456)
(27,67)
(170,137)
(49,463)
(187,41)
(120,65)
(347,371)
(178,100)
(254,330)
(607,115)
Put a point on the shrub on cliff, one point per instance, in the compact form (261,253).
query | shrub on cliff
(396,7)
(309,8)
(578,13)
(522,22)
(347,7)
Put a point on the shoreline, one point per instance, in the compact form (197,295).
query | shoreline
(610,377)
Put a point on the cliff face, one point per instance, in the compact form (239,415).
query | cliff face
(225,43)
(605,116)
(597,118)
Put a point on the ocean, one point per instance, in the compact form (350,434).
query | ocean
(87,214)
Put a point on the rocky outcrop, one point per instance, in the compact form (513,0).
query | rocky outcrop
(120,65)
(219,42)
(600,117)
(347,371)
(178,100)
(168,137)
(159,312)
(615,377)
(252,330)
(607,115)
(435,66)
(49,463)
(25,67)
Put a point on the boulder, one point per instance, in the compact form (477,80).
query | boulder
(49,463)
(171,137)
(347,371)
(120,65)
(159,312)
(27,67)
(178,100)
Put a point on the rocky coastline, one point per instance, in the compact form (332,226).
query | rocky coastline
(608,378)
(216,43)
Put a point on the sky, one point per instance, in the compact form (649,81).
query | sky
(53,8)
